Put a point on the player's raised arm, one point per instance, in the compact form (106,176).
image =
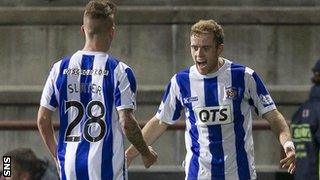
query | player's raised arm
(151,132)
(134,135)
(46,130)
(281,130)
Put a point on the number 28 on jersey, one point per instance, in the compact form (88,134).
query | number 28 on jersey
(94,128)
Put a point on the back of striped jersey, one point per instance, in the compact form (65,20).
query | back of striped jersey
(88,89)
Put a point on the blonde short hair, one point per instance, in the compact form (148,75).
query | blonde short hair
(102,10)
(209,26)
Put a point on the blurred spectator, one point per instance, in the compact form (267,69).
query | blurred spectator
(26,166)
(305,129)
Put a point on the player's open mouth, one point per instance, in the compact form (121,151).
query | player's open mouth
(201,64)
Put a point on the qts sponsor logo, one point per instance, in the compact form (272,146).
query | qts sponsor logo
(214,115)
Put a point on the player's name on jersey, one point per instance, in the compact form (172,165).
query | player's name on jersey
(86,72)
(84,88)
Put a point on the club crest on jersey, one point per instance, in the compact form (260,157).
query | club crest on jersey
(231,92)
(190,99)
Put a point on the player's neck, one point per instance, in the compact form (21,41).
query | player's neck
(220,63)
(95,46)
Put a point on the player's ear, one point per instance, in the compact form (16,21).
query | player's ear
(112,32)
(220,48)
(82,30)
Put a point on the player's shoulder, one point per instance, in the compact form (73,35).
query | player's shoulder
(118,65)
(113,60)
(181,75)
(183,72)
(235,66)
(56,64)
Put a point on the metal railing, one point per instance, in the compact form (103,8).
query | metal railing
(22,125)
(31,125)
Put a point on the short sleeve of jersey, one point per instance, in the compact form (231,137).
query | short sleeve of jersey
(170,108)
(125,92)
(259,94)
(48,97)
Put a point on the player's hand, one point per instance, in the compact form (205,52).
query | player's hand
(129,159)
(150,158)
(130,154)
(289,162)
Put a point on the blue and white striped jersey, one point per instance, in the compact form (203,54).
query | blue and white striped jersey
(218,107)
(88,88)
